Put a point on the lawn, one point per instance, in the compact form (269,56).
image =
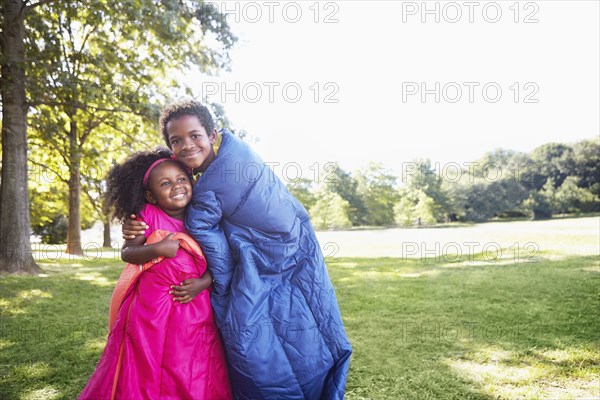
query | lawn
(470,328)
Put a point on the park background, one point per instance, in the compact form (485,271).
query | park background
(447,152)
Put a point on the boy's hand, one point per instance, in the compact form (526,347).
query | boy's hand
(168,247)
(132,227)
(190,288)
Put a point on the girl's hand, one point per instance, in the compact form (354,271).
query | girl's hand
(133,227)
(168,247)
(190,288)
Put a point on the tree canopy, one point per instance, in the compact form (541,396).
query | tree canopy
(91,77)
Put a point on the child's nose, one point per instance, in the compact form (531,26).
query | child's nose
(188,143)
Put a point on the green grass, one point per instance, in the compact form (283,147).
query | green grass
(421,329)
(471,332)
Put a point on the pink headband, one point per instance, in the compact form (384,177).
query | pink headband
(154,164)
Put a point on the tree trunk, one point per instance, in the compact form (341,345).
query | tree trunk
(74,232)
(15,245)
(106,242)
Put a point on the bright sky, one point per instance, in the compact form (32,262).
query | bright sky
(374,59)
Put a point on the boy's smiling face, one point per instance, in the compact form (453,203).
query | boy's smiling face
(190,142)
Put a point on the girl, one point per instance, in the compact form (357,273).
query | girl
(273,300)
(159,348)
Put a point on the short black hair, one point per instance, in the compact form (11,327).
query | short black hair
(124,183)
(181,108)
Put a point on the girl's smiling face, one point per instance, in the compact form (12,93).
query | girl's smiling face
(190,142)
(170,188)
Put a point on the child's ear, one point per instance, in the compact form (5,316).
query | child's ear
(214,136)
(148,195)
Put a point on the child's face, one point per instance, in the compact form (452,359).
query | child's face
(190,142)
(169,187)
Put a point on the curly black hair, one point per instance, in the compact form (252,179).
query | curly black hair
(124,183)
(185,107)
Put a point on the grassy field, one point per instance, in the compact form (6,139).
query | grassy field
(474,327)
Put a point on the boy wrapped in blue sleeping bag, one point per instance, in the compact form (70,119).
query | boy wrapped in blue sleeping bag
(273,300)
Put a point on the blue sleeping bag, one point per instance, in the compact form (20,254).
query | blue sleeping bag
(272,298)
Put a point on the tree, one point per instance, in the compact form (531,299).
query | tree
(89,74)
(376,185)
(502,164)
(15,245)
(570,198)
(330,211)
(404,211)
(343,183)
(426,181)
(548,193)
(554,160)
(416,208)
(484,200)
(425,210)
(301,189)
(538,206)
(586,159)
(48,209)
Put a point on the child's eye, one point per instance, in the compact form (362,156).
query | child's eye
(174,142)
(164,184)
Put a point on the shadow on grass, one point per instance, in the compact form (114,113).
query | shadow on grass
(53,328)
(483,331)
(464,332)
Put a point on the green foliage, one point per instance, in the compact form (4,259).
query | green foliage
(425,210)
(54,231)
(555,161)
(95,81)
(484,200)
(48,197)
(493,186)
(330,211)
(430,197)
(570,198)
(586,159)
(301,189)
(416,208)
(376,186)
(343,183)
(404,214)
(538,206)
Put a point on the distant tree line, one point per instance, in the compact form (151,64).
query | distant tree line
(553,179)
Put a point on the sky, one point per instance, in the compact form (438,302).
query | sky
(394,81)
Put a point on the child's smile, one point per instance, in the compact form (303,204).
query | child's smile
(170,188)
(190,142)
